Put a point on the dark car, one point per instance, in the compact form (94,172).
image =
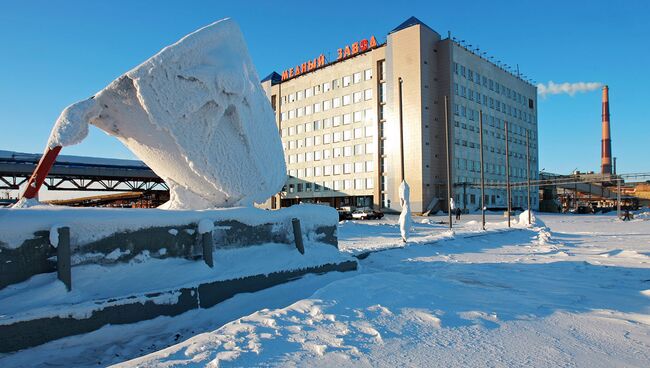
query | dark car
(344,214)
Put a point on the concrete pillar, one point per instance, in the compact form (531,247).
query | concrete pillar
(297,233)
(63,261)
(207,243)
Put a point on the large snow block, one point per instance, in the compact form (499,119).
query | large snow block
(196,114)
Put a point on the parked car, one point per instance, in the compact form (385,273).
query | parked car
(378,214)
(364,214)
(344,214)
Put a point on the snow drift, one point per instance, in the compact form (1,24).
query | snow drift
(196,114)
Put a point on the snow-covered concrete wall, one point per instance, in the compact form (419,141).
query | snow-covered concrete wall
(109,236)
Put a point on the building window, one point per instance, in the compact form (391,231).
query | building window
(347,80)
(347,135)
(357,77)
(358,184)
(367,74)
(382,70)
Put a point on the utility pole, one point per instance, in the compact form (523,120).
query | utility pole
(618,197)
(528,173)
(480,129)
(401,127)
(464,195)
(449,194)
(507,171)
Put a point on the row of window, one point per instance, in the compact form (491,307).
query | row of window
(345,81)
(327,138)
(494,86)
(327,170)
(326,154)
(489,168)
(517,200)
(493,103)
(326,105)
(517,134)
(501,107)
(475,181)
(492,149)
(324,186)
(326,123)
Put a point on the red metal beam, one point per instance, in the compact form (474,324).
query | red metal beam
(40,173)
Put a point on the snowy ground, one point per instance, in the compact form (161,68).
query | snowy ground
(575,292)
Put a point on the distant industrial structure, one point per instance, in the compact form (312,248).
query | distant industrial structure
(595,192)
(87,174)
(606,150)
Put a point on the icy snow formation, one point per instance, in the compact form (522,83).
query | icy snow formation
(405,220)
(196,114)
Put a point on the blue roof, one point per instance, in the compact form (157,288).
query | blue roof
(412,21)
(273,77)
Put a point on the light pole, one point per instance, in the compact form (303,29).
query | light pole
(480,129)
(449,194)
(528,172)
(507,171)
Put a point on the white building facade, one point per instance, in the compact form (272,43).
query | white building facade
(354,128)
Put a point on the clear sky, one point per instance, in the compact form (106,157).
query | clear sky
(54,53)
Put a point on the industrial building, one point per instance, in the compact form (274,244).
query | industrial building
(354,127)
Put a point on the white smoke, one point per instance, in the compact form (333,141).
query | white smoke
(570,89)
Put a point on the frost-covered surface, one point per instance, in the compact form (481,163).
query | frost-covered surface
(196,114)
(27,203)
(579,298)
(72,160)
(44,296)
(54,235)
(91,224)
(205,226)
(405,220)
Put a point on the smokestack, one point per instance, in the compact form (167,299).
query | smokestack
(606,149)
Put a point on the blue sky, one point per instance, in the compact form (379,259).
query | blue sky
(56,53)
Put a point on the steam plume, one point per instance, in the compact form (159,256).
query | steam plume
(570,89)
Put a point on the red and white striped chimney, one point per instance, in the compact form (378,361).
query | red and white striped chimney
(606,149)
